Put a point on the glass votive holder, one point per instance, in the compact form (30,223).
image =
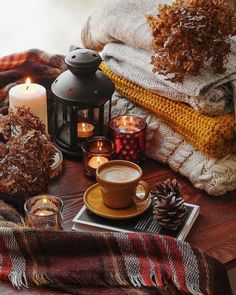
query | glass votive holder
(44,212)
(96,151)
(129,133)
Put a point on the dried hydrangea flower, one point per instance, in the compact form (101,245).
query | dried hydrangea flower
(190,34)
(26,155)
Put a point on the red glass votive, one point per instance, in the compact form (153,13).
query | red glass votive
(129,133)
(96,151)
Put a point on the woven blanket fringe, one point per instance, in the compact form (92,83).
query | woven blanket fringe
(18,279)
(137,281)
(41,279)
(193,290)
(113,279)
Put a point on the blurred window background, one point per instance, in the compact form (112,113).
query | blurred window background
(50,25)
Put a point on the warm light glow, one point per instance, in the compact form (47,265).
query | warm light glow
(99,145)
(27,83)
(45,201)
(85,130)
(41,214)
(98,161)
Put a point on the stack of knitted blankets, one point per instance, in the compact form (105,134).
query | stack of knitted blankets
(191,126)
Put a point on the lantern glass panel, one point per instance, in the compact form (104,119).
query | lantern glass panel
(63,123)
(83,115)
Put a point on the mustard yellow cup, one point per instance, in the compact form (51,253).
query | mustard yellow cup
(119,181)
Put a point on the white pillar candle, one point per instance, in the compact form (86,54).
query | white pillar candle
(32,96)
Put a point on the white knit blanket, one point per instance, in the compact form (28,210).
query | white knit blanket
(124,23)
(216,177)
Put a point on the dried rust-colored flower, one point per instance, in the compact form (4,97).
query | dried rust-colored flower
(190,34)
(26,154)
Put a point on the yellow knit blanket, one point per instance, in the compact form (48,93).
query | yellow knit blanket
(213,136)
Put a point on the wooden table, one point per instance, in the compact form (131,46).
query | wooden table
(214,231)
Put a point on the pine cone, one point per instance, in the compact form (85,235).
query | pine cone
(168,207)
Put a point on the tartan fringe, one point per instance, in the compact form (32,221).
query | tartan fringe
(18,279)
(41,279)
(113,279)
(137,281)
(193,290)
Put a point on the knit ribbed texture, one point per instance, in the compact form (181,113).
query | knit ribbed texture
(214,176)
(134,65)
(213,136)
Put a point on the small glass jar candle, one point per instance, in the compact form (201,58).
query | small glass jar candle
(96,151)
(129,133)
(44,212)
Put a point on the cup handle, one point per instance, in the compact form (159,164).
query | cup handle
(145,186)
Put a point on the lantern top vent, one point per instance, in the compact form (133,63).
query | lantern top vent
(83,61)
(83,84)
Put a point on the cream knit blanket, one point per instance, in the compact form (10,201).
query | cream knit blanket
(216,177)
(124,22)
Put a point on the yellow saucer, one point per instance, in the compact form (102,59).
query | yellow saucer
(94,202)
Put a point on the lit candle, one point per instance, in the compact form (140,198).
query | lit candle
(32,96)
(96,161)
(44,213)
(84,130)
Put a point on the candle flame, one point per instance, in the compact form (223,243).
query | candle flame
(99,145)
(98,161)
(27,83)
(83,126)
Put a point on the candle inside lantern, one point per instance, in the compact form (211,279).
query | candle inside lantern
(96,161)
(32,96)
(85,130)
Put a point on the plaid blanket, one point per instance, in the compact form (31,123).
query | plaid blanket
(105,263)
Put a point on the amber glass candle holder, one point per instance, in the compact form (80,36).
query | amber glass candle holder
(129,133)
(44,212)
(96,151)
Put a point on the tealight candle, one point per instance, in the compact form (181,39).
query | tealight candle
(129,133)
(96,161)
(44,211)
(32,96)
(85,130)
(96,151)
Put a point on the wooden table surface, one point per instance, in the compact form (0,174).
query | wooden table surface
(214,231)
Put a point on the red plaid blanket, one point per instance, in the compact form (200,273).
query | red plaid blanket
(105,263)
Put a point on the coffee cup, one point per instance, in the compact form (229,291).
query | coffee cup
(119,181)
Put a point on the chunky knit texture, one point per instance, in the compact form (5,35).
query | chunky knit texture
(133,64)
(213,136)
(214,176)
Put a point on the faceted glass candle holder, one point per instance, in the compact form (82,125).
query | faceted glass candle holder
(44,212)
(96,151)
(129,133)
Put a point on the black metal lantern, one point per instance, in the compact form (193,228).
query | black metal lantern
(82,101)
